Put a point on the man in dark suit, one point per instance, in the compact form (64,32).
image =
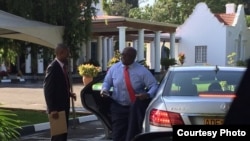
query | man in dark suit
(57,87)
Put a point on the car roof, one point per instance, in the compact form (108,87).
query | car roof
(192,68)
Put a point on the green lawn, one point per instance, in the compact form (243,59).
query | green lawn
(29,117)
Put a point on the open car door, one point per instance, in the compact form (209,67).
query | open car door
(99,106)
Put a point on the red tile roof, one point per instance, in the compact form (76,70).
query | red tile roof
(227,19)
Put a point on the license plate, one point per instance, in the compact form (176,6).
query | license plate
(213,121)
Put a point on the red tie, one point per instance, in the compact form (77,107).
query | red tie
(128,84)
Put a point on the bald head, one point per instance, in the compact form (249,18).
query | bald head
(128,55)
(59,48)
(62,52)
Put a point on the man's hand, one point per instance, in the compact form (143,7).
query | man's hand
(104,93)
(142,96)
(54,114)
(73,95)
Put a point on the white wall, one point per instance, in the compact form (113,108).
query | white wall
(247,47)
(202,28)
(239,28)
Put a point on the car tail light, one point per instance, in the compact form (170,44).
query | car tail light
(218,95)
(164,118)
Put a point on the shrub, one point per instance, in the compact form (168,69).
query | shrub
(88,70)
(8,126)
(166,62)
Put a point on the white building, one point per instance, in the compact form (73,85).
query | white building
(208,38)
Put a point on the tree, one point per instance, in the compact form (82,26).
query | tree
(176,11)
(142,13)
(117,7)
(76,16)
(58,12)
(134,3)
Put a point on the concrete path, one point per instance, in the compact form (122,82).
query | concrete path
(29,95)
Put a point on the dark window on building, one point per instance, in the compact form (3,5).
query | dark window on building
(200,54)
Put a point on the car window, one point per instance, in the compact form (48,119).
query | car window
(202,83)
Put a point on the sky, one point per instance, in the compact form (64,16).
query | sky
(150,2)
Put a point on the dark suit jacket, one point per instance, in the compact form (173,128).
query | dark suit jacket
(56,89)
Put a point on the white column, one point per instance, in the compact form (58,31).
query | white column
(135,44)
(122,37)
(110,48)
(105,60)
(157,51)
(88,51)
(148,55)
(152,55)
(82,54)
(84,51)
(40,67)
(172,45)
(28,61)
(99,51)
(140,50)
(71,65)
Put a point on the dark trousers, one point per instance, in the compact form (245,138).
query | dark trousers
(62,137)
(127,120)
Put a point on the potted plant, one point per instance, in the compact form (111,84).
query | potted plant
(19,74)
(88,71)
(115,59)
(166,62)
(181,58)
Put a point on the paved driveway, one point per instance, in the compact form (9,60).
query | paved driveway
(29,95)
(87,131)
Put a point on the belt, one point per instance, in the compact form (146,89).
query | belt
(125,106)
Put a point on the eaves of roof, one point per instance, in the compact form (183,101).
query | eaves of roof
(107,26)
(227,19)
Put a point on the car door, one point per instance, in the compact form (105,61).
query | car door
(99,106)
